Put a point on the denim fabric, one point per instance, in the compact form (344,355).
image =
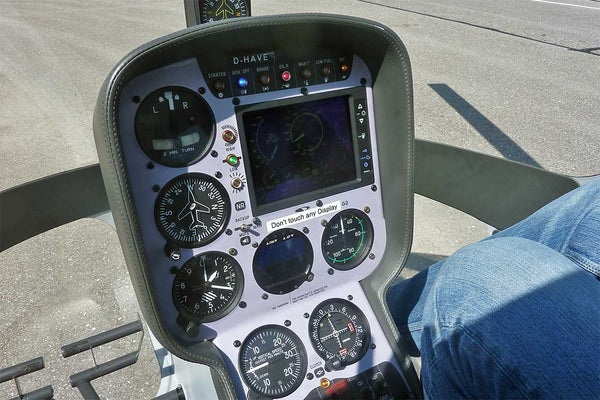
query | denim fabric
(516,315)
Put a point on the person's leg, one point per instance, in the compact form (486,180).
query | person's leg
(511,318)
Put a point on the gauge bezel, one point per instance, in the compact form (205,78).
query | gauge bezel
(233,302)
(221,228)
(313,322)
(301,352)
(201,10)
(212,134)
(357,259)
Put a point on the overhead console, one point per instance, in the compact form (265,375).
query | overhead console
(260,176)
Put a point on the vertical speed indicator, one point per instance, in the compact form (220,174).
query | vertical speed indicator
(192,210)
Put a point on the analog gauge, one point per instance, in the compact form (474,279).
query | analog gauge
(174,126)
(273,361)
(339,332)
(192,210)
(307,132)
(283,261)
(271,145)
(217,10)
(208,286)
(347,239)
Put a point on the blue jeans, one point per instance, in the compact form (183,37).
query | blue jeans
(516,315)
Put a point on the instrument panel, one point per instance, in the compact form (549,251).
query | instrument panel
(256,189)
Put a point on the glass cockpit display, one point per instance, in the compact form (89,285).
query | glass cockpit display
(299,148)
(174,126)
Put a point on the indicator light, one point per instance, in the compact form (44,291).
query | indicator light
(306,73)
(232,160)
(344,68)
(264,78)
(228,136)
(242,82)
(237,183)
(325,383)
(326,70)
(219,85)
(286,76)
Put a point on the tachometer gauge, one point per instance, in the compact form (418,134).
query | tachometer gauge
(339,332)
(208,286)
(347,239)
(273,361)
(192,210)
(217,10)
(174,126)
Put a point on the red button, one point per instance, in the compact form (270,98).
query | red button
(286,76)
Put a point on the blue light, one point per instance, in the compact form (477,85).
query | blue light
(242,82)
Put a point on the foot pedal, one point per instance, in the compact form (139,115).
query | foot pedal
(27,367)
(82,380)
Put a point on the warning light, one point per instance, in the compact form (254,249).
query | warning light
(242,82)
(228,136)
(344,68)
(286,76)
(232,160)
(325,383)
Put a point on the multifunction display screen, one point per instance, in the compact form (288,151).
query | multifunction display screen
(299,148)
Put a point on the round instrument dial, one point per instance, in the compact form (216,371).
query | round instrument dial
(174,126)
(208,286)
(283,261)
(339,332)
(217,10)
(273,361)
(307,131)
(192,210)
(347,239)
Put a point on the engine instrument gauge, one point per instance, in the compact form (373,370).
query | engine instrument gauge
(174,126)
(208,286)
(192,210)
(347,239)
(307,132)
(339,332)
(217,10)
(273,361)
(283,261)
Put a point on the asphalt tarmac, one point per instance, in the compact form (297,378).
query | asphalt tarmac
(517,79)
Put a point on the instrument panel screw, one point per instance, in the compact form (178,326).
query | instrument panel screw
(265,296)
(150,165)
(309,376)
(330,271)
(372,256)
(218,174)
(214,153)
(235,101)
(367,209)
(202,90)
(237,343)
(374,188)
(319,203)
(242,304)
(323,222)
(156,188)
(255,244)
(306,315)
(228,232)
(305,230)
(350,297)
(136,99)
(287,322)
(363,81)
(256,221)
(310,277)
(304,91)
(373,346)
(233,252)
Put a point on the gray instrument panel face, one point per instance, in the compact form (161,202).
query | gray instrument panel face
(260,309)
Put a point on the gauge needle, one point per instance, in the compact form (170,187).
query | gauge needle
(258,367)
(298,138)
(169,96)
(204,270)
(212,277)
(221,287)
(273,153)
(342,221)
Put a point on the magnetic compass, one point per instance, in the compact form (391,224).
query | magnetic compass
(174,126)
(339,332)
(218,10)
(192,210)
(208,286)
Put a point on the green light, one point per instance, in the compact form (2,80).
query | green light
(232,159)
